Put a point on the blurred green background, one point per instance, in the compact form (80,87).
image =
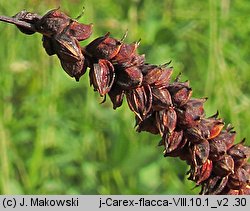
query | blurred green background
(55,137)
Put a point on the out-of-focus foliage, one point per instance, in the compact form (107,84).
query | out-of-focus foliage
(55,137)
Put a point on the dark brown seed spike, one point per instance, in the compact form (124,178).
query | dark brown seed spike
(160,107)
